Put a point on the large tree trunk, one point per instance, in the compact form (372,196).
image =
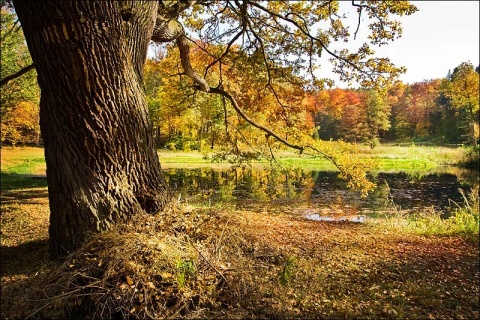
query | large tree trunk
(102,165)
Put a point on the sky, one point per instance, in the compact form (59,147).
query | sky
(437,38)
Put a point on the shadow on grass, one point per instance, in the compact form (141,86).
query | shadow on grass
(11,182)
(22,268)
(10,196)
(24,258)
(18,187)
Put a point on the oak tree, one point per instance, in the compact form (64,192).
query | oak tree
(102,166)
(101,162)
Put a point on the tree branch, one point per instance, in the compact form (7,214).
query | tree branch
(361,7)
(18,74)
(359,17)
(307,33)
(269,132)
(16,26)
(253,123)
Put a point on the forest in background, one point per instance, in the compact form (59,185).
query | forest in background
(436,111)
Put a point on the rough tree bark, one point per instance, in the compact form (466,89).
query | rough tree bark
(102,165)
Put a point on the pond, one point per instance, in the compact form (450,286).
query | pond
(307,192)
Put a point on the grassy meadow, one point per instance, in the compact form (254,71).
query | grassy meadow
(31,161)
(386,157)
(223,262)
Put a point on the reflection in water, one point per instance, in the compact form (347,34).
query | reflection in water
(321,191)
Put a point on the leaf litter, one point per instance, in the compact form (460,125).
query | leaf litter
(234,263)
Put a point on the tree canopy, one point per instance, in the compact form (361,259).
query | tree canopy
(297,35)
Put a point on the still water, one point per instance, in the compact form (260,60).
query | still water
(322,191)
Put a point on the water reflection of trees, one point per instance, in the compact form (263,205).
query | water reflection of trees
(240,183)
(321,189)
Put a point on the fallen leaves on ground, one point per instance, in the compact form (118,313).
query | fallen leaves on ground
(211,263)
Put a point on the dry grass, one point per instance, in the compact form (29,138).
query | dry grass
(152,267)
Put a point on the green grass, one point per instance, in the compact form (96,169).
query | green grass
(287,272)
(387,157)
(416,156)
(23,161)
(471,157)
(22,168)
(31,160)
(463,222)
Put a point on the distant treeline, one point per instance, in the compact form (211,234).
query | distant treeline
(439,110)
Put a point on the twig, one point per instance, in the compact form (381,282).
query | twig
(359,18)
(68,293)
(201,254)
(56,298)
(207,261)
(220,240)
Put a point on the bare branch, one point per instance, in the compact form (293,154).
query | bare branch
(269,132)
(229,45)
(18,74)
(307,33)
(362,6)
(359,18)
(232,41)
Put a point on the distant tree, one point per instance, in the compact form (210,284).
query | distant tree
(153,79)
(423,103)
(461,91)
(330,113)
(188,116)
(399,99)
(412,109)
(378,113)
(354,117)
(183,118)
(21,124)
(341,114)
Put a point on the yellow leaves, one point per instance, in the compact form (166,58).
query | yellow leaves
(166,275)
(150,285)
(21,123)
(267,77)
(226,266)
(352,169)
(194,23)
(461,88)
